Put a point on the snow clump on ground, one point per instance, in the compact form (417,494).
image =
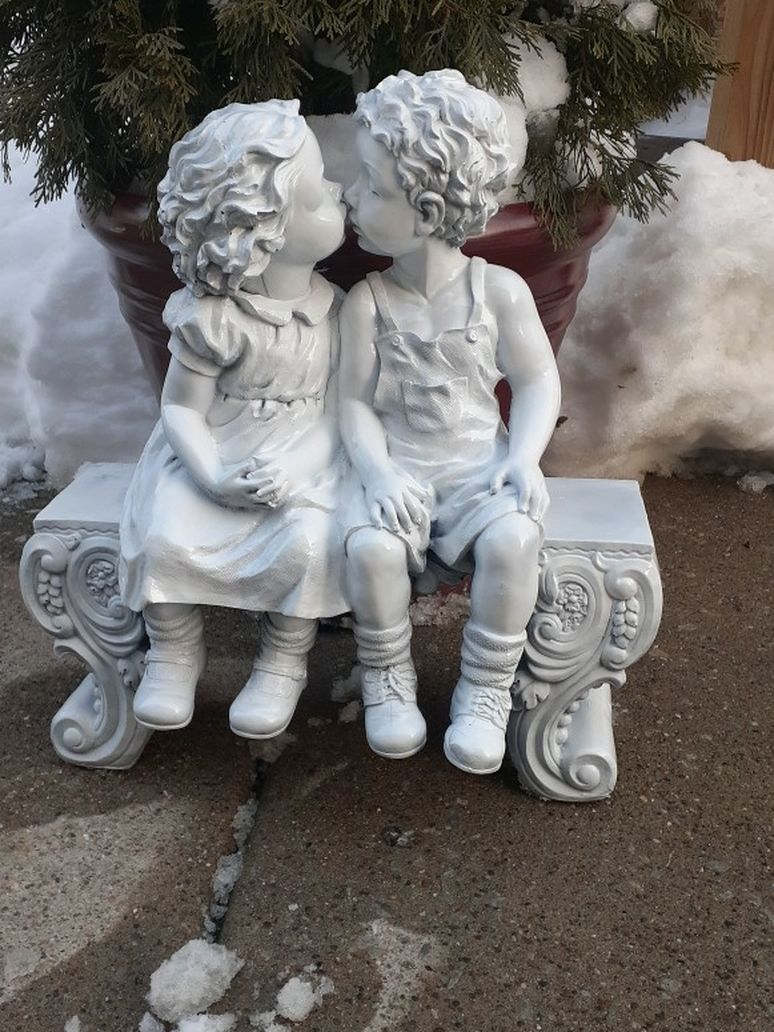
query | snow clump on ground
(208,1023)
(669,358)
(191,980)
(296,1000)
(150,1024)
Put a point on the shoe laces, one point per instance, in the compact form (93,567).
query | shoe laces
(492,706)
(381,685)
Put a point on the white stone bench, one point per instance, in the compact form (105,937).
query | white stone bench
(598,611)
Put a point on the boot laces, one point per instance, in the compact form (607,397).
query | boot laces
(381,685)
(492,706)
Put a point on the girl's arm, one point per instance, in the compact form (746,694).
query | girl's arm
(526,358)
(394,498)
(185,402)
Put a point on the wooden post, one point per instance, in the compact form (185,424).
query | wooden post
(741,121)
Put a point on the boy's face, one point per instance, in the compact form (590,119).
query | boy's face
(380,212)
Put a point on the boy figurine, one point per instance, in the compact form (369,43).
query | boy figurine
(423,346)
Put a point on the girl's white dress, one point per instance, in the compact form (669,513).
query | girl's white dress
(273,361)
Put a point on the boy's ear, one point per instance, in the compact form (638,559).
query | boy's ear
(430,213)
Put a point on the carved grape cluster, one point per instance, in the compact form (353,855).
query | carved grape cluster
(49,591)
(573,602)
(626,615)
(102,580)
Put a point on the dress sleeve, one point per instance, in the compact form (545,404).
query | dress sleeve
(204,335)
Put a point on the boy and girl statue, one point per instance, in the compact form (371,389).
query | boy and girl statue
(315,451)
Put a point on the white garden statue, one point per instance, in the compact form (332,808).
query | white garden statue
(316,457)
(233,501)
(423,347)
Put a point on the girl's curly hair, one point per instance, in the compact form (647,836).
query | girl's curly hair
(450,142)
(224,201)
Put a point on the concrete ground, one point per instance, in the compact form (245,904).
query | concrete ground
(433,900)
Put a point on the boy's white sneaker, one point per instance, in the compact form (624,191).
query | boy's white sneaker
(475,739)
(394,726)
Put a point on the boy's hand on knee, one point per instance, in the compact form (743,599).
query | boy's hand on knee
(528,483)
(398,502)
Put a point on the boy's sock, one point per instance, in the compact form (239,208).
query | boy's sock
(394,726)
(482,701)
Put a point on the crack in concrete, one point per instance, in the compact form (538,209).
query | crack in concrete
(230,865)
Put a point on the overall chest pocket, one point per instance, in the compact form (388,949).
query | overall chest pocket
(433,407)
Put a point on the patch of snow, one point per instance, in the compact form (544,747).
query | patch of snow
(296,1000)
(73,1024)
(351,712)
(346,688)
(72,388)
(192,979)
(266,1023)
(94,401)
(439,611)
(688,122)
(755,483)
(149,1024)
(542,75)
(207,1023)
(669,357)
(641,16)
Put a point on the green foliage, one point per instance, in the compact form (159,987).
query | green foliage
(98,90)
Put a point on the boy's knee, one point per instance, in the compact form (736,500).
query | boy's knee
(376,553)
(509,542)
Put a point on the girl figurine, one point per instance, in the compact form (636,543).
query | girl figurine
(423,346)
(233,499)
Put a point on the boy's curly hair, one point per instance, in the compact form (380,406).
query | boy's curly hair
(451,145)
(224,200)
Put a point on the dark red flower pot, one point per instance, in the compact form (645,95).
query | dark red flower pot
(140,267)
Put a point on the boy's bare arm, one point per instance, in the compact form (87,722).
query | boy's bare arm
(361,430)
(527,360)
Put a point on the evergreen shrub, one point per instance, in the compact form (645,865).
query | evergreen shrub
(98,90)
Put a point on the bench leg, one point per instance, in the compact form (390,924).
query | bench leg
(597,613)
(69,581)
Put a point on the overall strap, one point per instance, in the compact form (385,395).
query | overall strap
(374,281)
(477,273)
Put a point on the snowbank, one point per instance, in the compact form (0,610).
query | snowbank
(72,388)
(670,357)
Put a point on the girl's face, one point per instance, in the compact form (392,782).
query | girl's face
(315,227)
(380,212)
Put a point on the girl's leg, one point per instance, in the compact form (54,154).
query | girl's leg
(266,704)
(173,665)
(503,594)
(380,591)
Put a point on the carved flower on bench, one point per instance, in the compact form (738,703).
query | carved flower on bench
(573,604)
(102,581)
